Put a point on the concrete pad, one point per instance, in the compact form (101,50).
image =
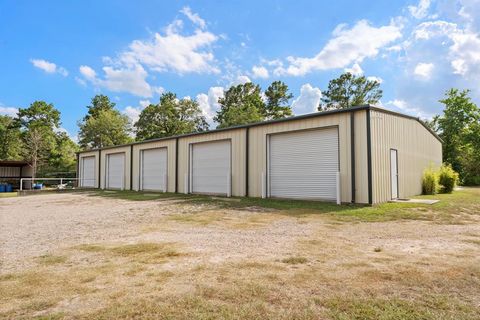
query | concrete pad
(424,201)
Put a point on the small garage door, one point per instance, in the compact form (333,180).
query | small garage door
(88,172)
(115,171)
(303,164)
(153,169)
(210,167)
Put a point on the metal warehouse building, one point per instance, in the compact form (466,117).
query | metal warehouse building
(363,154)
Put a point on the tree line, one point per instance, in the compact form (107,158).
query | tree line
(33,134)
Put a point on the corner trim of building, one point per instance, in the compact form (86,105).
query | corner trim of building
(100,169)
(131,167)
(369,159)
(176,166)
(246,160)
(77,168)
(352,152)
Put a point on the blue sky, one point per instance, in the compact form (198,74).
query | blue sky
(65,52)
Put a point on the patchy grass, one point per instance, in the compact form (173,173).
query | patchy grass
(458,207)
(49,259)
(295,260)
(8,194)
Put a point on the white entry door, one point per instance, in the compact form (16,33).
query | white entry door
(303,164)
(394,172)
(210,167)
(115,171)
(87,173)
(153,169)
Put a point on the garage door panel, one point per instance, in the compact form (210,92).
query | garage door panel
(88,172)
(154,169)
(115,171)
(211,167)
(303,164)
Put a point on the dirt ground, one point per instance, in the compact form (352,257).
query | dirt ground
(83,256)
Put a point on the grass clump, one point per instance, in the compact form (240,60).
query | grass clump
(429,181)
(447,178)
(49,259)
(295,260)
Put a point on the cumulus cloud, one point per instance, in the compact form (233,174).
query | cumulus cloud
(48,67)
(134,112)
(260,72)
(347,46)
(403,106)
(424,70)
(9,111)
(241,79)
(174,52)
(194,17)
(308,100)
(130,79)
(209,102)
(355,69)
(420,11)
(374,78)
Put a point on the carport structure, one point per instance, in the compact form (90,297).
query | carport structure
(12,171)
(363,154)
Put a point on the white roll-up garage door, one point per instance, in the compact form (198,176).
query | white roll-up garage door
(115,171)
(210,167)
(87,172)
(303,164)
(153,169)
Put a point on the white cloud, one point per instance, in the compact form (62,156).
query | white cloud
(209,102)
(134,112)
(355,69)
(308,100)
(174,51)
(194,17)
(49,67)
(374,78)
(241,79)
(403,106)
(131,79)
(347,46)
(260,72)
(424,70)
(9,111)
(421,10)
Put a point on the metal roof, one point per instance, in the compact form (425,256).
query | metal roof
(13,163)
(304,116)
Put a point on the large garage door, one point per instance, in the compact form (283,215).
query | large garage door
(210,167)
(115,171)
(303,164)
(87,172)
(153,169)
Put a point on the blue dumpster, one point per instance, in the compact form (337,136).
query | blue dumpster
(9,188)
(2,188)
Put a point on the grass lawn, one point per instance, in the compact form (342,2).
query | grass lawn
(390,261)
(7,194)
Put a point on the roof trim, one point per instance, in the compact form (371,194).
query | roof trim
(256,124)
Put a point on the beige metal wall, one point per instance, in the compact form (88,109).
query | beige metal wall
(417,149)
(361,157)
(237,137)
(126,150)
(89,154)
(170,145)
(257,149)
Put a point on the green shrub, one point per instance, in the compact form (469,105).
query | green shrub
(429,181)
(447,178)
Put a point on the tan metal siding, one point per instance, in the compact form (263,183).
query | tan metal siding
(417,149)
(257,149)
(90,154)
(237,137)
(126,150)
(361,162)
(170,145)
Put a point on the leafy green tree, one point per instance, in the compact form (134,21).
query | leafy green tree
(63,157)
(38,124)
(107,127)
(277,106)
(10,137)
(241,104)
(169,117)
(459,128)
(99,102)
(348,91)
